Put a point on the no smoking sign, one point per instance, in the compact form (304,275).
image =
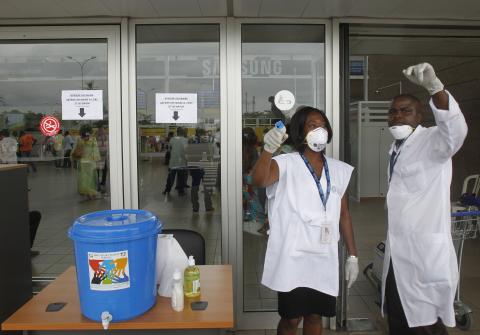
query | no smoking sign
(49,126)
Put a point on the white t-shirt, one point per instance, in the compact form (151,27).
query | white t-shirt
(302,247)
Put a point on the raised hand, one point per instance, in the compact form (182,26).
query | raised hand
(424,75)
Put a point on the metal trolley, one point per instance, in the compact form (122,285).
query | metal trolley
(465,226)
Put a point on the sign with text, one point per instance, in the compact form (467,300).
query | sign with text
(82,105)
(176,108)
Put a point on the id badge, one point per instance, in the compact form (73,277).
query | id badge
(326,233)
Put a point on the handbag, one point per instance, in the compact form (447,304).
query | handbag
(77,153)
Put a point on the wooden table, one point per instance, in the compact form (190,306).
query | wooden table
(216,289)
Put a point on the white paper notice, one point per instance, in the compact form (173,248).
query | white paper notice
(176,108)
(82,105)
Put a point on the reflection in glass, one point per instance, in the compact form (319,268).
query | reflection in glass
(179,163)
(274,58)
(68,172)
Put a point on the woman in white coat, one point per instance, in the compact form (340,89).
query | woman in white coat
(307,211)
(420,272)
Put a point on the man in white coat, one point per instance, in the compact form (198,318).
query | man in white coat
(420,271)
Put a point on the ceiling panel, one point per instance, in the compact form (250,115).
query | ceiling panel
(137,8)
(177,8)
(213,7)
(246,8)
(282,8)
(406,9)
(28,9)
(82,8)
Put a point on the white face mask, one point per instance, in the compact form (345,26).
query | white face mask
(317,139)
(401,132)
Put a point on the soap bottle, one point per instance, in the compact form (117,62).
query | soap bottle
(177,291)
(191,285)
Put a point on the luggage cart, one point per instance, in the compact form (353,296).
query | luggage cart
(373,271)
(464,226)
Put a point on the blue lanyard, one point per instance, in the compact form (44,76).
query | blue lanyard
(394,158)
(317,180)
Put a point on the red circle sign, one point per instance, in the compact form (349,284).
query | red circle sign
(49,126)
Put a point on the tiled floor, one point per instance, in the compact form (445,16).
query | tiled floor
(53,192)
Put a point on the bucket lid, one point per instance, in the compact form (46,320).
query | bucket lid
(114,225)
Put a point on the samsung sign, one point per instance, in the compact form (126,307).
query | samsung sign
(262,67)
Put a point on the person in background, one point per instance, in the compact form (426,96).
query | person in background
(420,271)
(308,211)
(252,207)
(8,148)
(26,143)
(177,163)
(86,153)
(68,144)
(102,164)
(57,149)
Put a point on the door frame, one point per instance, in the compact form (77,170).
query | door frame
(131,119)
(260,320)
(112,34)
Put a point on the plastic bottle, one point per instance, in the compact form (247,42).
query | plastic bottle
(191,285)
(280,127)
(177,291)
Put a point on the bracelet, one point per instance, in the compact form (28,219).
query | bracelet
(352,256)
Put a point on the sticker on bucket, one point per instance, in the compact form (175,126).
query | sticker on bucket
(108,271)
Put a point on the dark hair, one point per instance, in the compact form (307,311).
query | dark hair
(297,124)
(181,132)
(86,128)
(5,133)
(419,104)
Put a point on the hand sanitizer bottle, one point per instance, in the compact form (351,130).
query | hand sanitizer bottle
(191,285)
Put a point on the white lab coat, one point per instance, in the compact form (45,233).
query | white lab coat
(295,256)
(419,240)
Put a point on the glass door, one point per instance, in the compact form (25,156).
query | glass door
(178,118)
(274,58)
(59,105)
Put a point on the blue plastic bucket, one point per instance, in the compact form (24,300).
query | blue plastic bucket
(115,257)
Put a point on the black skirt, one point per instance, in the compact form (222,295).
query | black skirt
(304,301)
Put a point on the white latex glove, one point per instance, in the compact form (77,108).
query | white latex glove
(424,75)
(273,139)
(351,270)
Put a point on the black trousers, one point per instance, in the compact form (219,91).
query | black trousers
(397,322)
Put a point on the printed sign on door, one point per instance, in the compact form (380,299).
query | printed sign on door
(108,271)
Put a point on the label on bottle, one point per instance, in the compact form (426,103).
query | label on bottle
(196,286)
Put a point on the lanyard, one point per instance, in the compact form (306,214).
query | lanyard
(393,160)
(317,180)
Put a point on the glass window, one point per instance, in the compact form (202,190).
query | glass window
(68,171)
(178,124)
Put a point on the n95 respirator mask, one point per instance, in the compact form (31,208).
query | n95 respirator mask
(401,132)
(317,139)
